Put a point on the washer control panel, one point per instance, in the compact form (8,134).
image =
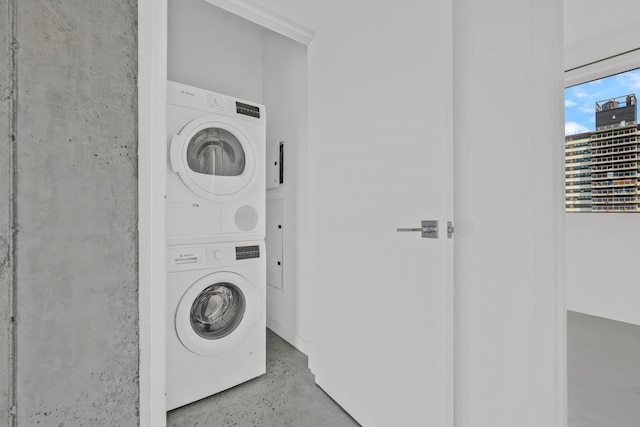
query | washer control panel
(247,252)
(185,257)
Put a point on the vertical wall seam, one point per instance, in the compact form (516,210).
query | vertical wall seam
(13,135)
(136,110)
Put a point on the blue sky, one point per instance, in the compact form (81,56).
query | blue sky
(579,101)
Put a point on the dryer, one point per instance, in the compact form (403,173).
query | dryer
(216,331)
(216,186)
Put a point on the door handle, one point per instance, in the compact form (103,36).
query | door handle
(429,229)
(421,229)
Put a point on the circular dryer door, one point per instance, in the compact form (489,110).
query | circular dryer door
(214,159)
(216,313)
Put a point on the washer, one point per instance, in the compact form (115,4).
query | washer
(216,186)
(216,332)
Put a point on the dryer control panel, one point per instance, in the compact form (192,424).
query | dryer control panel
(182,95)
(247,109)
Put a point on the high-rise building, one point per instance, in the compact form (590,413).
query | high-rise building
(578,172)
(601,167)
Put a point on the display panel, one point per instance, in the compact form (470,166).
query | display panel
(248,110)
(247,252)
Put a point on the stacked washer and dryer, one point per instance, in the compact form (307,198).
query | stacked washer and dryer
(216,273)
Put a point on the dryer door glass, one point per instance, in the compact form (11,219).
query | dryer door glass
(217,311)
(215,151)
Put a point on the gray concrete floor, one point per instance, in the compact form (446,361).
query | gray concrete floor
(285,396)
(604,372)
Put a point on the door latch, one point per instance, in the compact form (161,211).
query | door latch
(450,229)
(429,229)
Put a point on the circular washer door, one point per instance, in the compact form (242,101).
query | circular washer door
(216,313)
(214,159)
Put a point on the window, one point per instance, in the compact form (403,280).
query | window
(602,148)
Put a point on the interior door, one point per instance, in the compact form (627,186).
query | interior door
(381,158)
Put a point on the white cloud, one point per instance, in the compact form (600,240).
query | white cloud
(581,95)
(587,108)
(569,103)
(629,81)
(572,128)
(632,81)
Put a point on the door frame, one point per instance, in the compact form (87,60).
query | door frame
(152,124)
(152,100)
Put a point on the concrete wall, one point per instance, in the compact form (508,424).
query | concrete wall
(76,212)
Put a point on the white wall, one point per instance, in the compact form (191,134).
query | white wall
(285,95)
(215,50)
(602,249)
(219,51)
(602,265)
(595,30)
(508,196)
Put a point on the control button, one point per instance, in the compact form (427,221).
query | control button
(220,102)
(216,101)
(218,254)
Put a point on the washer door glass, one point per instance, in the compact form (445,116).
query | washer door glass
(217,311)
(215,151)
